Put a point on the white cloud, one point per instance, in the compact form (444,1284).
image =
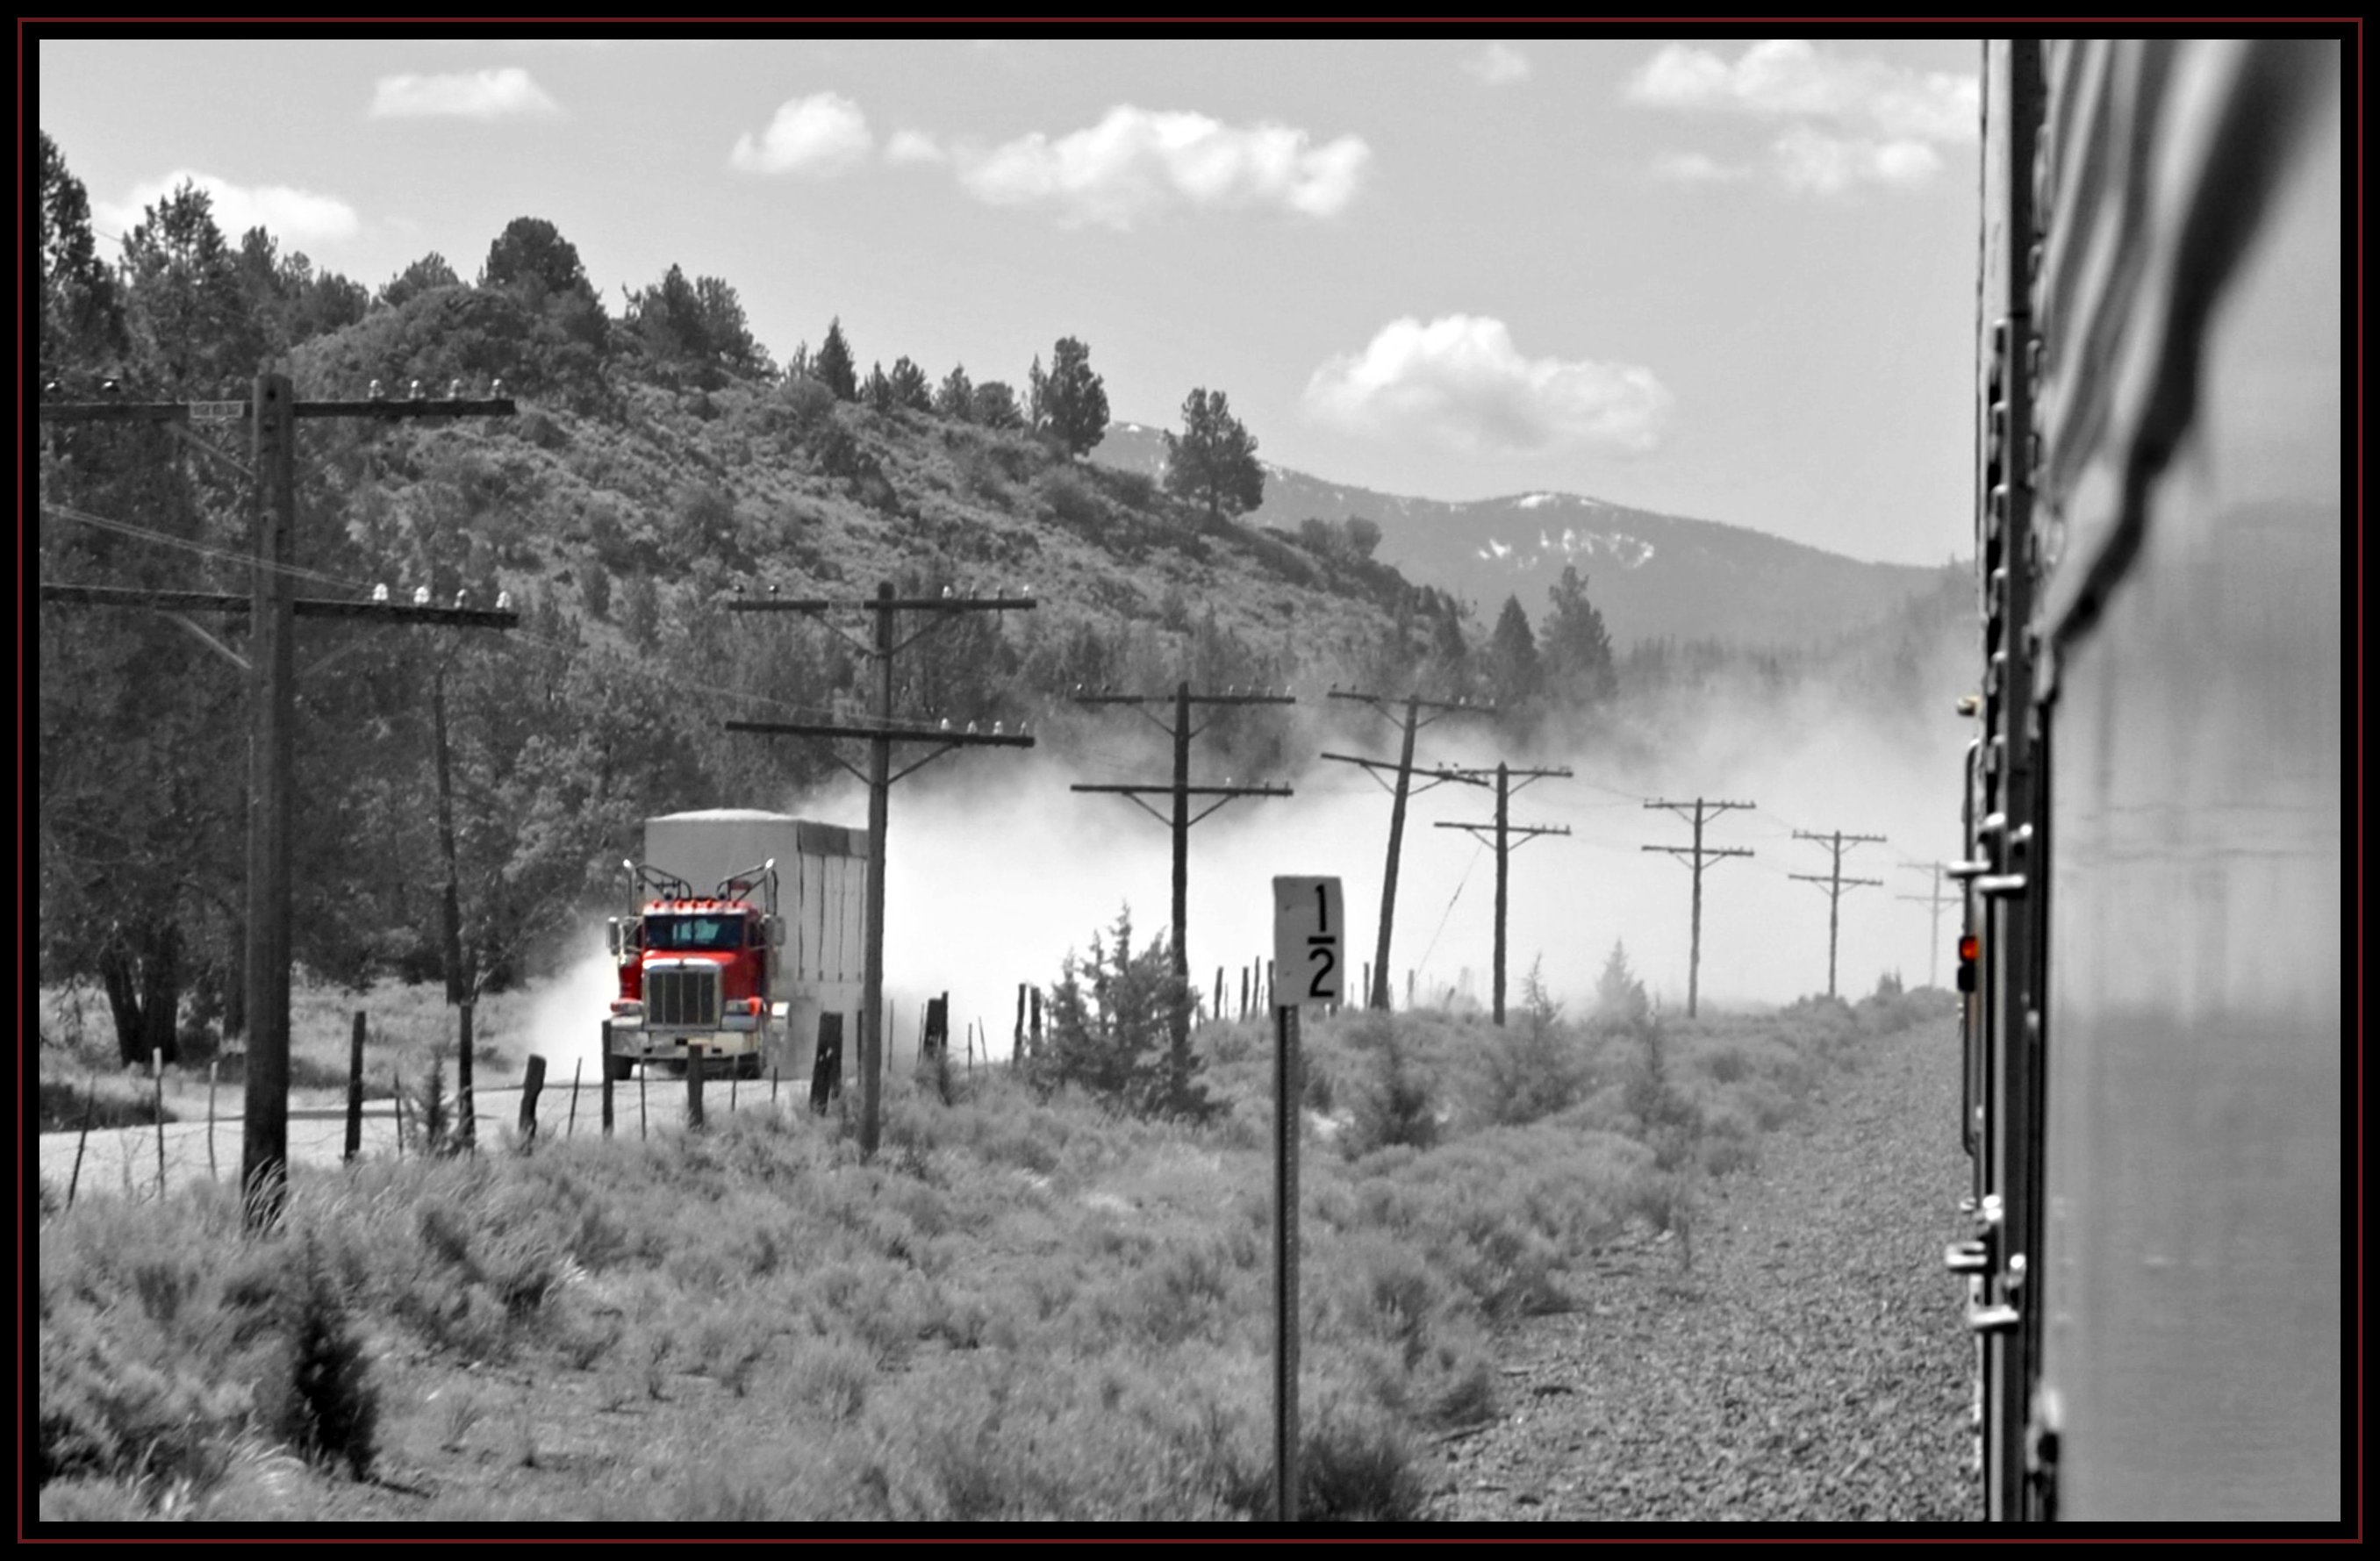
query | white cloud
(914,146)
(1460,381)
(1693,167)
(1853,121)
(1498,64)
(1808,158)
(508,93)
(295,218)
(822,134)
(1135,164)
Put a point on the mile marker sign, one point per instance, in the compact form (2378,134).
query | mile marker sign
(1309,935)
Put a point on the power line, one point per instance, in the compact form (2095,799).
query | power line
(205,550)
(1836,883)
(1694,856)
(1180,791)
(1459,884)
(272,414)
(1936,900)
(1412,724)
(882,733)
(1505,829)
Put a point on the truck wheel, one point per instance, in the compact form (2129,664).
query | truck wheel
(617,1068)
(749,1065)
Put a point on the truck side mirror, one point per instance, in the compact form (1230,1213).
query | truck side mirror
(612,934)
(776,932)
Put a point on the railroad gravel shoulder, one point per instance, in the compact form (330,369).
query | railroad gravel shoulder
(1806,1365)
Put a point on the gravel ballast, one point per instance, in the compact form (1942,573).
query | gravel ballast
(1808,1364)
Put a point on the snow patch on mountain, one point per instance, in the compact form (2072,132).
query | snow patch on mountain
(1614,548)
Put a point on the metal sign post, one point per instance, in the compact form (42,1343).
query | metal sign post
(1309,937)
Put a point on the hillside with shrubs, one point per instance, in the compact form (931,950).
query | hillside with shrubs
(1047,1297)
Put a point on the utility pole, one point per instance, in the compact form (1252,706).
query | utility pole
(1937,900)
(1378,997)
(1503,842)
(1836,884)
(1180,789)
(271,413)
(882,734)
(1704,810)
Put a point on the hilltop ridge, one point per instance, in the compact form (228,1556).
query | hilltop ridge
(1653,575)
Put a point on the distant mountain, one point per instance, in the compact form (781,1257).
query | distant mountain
(1650,574)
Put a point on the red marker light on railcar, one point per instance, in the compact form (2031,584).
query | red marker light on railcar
(1968,945)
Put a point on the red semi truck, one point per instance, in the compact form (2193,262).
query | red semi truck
(746,942)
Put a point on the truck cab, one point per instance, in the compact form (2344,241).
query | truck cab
(698,971)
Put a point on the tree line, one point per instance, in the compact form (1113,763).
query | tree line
(611,511)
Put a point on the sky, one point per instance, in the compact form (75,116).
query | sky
(1731,279)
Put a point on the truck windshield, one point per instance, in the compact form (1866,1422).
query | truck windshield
(694,932)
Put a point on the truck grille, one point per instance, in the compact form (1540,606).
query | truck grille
(687,997)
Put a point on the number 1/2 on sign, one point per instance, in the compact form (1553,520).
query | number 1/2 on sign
(1309,921)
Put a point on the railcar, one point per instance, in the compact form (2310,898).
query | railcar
(2154,942)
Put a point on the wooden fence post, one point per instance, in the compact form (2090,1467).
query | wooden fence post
(90,1100)
(355,1092)
(693,1085)
(157,1107)
(607,1078)
(532,1083)
(466,1120)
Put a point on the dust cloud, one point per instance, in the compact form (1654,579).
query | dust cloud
(999,871)
(996,870)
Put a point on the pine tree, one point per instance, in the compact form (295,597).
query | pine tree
(1619,996)
(955,398)
(193,330)
(1073,400)
(1512,666)
(1214,458)
(910,387)
(995,406)
(424,275)
(1578,666)
(82,314)
(832,367)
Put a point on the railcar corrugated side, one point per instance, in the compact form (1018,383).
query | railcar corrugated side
(2159,1008)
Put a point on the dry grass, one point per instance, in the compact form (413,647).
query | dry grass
(1023,1308)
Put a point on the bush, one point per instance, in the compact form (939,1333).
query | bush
(1071,500)
(1669,1121)
(1118,1039)
(1535,1068)
(1355,1465)
(839,453)
(980,475)
(105,1413)
(807,402)
(327,1409)
(1134,490)
(1398,1108)
(433,1128)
